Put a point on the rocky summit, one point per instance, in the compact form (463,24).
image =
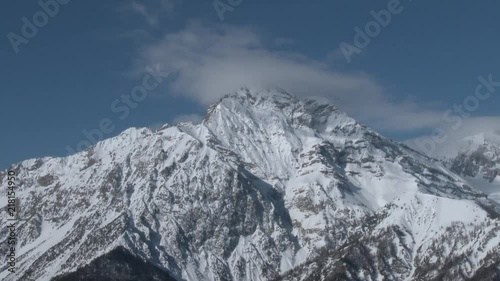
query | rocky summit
(477,159)
(267,187)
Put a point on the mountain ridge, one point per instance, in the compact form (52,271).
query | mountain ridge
(263,186)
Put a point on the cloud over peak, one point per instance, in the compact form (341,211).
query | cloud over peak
(208,61)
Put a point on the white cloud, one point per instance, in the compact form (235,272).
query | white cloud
(153,12)
(209,61)
(193,118)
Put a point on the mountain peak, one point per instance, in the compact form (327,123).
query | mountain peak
(265,184)
(254,93)
(277,104)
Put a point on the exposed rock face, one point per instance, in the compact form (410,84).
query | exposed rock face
(383,255)
(267,187)
(117,265)
(483,161)
(478,161)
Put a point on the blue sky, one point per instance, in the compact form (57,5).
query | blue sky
(90,53)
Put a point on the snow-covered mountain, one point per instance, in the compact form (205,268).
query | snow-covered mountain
(267,187)
(477,159)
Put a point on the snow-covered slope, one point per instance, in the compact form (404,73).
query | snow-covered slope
(266,187)
(477,159)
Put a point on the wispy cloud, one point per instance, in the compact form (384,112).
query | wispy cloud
(153,11)
(211,60)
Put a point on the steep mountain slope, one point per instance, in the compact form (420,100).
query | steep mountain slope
(268,186)
(118,264)
(478,160)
